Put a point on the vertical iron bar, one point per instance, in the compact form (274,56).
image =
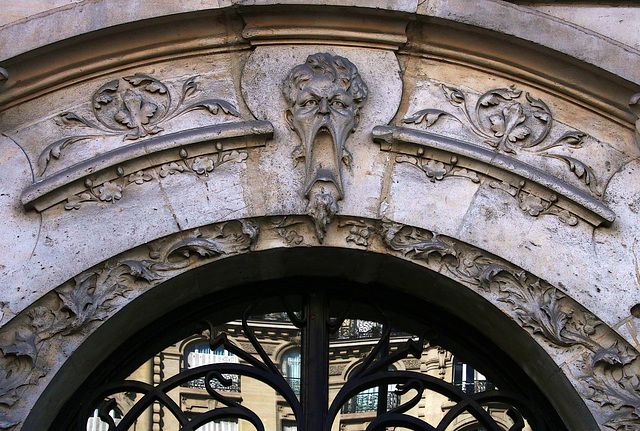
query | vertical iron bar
(314,392)
(383,391)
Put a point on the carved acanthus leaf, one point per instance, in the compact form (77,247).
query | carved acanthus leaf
(415,243)
(614,384)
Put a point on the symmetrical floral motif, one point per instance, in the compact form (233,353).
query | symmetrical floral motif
(132,107)
(93,295)
(510,123)
(111,191)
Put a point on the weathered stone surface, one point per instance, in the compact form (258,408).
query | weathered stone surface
(142,152)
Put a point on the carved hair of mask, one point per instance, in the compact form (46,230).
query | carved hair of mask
(324,97)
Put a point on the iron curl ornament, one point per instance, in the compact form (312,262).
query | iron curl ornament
(313,408)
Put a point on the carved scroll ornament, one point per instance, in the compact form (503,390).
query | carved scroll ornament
(135,107)
(132,107)
(509,123)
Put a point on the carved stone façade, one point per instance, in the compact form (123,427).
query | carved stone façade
(509,123)
(605,369)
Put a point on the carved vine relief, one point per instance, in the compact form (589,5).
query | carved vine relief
(31,341)
(133,107)
(324,96)
(608,366)
(112,191)
(511,123)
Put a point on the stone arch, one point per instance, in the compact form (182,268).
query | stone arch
(548,237)
(533,304)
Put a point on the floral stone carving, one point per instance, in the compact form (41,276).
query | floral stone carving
(132,107)
(610,366)
(111,191)
(324,96)
(93,296)
(511,123)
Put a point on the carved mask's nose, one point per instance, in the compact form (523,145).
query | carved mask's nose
(323,108)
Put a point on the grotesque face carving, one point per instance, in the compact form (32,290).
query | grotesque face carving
(325,95)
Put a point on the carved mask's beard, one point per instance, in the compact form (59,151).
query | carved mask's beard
(324,147)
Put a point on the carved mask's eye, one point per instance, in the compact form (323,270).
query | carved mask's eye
(337,104)
(309,103)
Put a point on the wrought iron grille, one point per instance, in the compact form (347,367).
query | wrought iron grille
(372,386)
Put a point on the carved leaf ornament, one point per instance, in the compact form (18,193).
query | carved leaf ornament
(511,123)
(610,367)
(112,191)
(132,107)
(92,296)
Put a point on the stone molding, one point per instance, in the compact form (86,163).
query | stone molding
(435,32)
(602,366)
(515,177)
(133,159)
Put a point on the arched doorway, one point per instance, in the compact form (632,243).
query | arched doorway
(451,314)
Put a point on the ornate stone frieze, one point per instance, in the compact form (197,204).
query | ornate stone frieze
(324,97)
(606,369)
(104,178)
(536,192)
(136,107)
(610,367)
(28,342)
(511,122)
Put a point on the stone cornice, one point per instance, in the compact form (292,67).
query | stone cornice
(142,155)
(470,34)
(498,166)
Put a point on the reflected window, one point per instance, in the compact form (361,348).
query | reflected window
(367,401)
(199,354)
(468,379)
(291,369)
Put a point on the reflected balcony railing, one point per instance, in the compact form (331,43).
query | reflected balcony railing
(217,385)
(475,386)
(368,402)
(294,382)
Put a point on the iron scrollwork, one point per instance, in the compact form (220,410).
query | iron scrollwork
(311,410)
